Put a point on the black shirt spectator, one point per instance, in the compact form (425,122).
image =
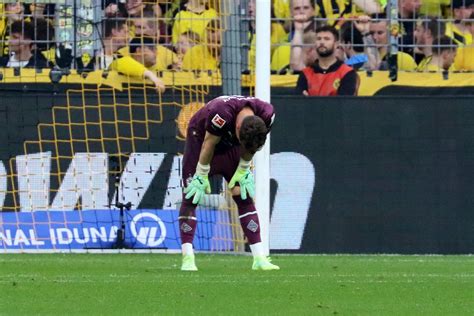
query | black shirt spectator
(22,48)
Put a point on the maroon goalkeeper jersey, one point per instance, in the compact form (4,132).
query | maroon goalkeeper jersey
(219,115)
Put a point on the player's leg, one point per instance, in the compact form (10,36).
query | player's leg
(248,215)
(187,229)
(250,224)
(187,211)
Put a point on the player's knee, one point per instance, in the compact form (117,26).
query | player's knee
(187,208)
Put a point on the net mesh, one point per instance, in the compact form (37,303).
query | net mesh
(102,124)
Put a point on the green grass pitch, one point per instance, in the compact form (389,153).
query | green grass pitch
(144,284)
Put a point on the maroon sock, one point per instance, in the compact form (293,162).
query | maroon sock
(187,221)
(248,219)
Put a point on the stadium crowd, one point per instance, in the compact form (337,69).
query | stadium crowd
(143,37)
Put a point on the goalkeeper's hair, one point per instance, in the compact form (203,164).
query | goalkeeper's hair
(253,133)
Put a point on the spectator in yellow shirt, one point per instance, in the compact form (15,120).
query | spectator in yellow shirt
(379,33)
(205,56)
(425,33)
(278,37)
(465,55)
(115,37)
(148,26)
(185,42)
(194,16)
(143,50)
(444,52)
(458,30)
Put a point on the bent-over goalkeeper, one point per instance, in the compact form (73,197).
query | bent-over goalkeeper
(222,138)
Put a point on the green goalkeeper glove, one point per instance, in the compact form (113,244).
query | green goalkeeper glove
(244,177)
(199,185)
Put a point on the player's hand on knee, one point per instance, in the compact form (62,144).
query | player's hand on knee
(245,179)
(197,188)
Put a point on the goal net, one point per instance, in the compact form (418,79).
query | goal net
(91,155)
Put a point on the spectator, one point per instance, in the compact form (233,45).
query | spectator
(194,16)
(186,41)
(169,9)
(280,58)
(44,32)
(426,31)
(13,12)
(359,49)
(328,76)
(371,6)
(148,26)
(115,37)
(379,34)
(23,52)
(278,36)
(205,56)
(281,10)
(141,9)
(444,52)
(303,13)
(465,54)
(160,9)
(408,14)
(138,9)
(143,50)
(458,29)
(40,10)
(336,12)
(114,8)
(309,49)
(435,8)
(135,8)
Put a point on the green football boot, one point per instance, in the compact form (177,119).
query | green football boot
(188,263)
(263,263)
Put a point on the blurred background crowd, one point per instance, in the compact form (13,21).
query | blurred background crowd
(141,38)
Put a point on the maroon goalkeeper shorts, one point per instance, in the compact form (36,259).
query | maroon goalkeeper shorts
(224,162)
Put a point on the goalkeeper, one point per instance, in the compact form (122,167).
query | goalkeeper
(222,138)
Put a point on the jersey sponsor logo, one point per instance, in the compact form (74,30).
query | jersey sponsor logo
(218,121)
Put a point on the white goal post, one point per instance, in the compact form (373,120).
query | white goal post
(262,91)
